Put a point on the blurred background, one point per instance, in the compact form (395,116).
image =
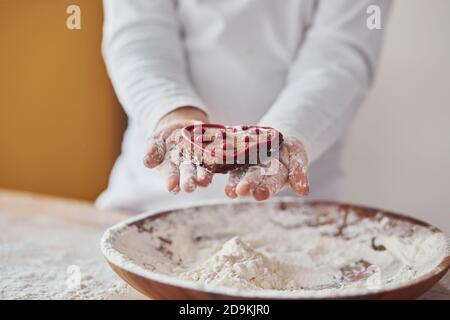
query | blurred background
(61,124)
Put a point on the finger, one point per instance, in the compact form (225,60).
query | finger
(298,178)
(204,177)
(294,157)
(170,169)
(273,180)
(249,181)
(155,152)
(188,176)
(171,175)
(233,179)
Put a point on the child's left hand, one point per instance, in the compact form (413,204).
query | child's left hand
(263,182)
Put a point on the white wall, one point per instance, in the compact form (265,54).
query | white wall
(397,154)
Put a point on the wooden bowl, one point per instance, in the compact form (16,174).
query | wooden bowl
(159,286)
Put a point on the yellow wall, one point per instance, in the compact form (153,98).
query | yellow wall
(60,122)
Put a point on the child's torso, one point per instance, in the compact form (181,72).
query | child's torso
(239,52)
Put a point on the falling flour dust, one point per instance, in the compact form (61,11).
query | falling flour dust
(308,251)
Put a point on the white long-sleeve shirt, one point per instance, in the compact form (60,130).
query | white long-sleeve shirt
(301,66)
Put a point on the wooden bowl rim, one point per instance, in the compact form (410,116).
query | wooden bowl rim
(439,271)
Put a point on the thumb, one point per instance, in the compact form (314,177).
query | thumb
(155,152)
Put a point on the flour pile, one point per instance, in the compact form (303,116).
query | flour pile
(303,251)
(238,265)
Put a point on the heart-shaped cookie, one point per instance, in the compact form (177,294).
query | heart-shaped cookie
(222,148)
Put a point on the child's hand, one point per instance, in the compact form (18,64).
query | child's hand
(262,182)
(164,153)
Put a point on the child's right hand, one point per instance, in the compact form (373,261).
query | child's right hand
(164,153)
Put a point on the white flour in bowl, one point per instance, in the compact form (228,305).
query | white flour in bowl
(265,249)
(238,265)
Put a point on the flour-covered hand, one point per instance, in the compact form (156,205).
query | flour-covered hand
(164,153)
(264,181)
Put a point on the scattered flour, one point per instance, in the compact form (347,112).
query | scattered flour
(40,258)
(308,251)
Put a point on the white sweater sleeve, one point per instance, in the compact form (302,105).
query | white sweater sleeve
(145,59)
(330,75)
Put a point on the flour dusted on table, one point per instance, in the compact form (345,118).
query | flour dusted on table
(43,258)
(264,248)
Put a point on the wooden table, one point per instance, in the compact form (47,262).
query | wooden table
(33,212)
(75,214)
